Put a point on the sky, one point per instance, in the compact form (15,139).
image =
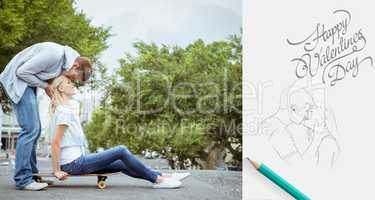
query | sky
(171,22)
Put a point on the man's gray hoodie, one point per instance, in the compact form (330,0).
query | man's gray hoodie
(34,66)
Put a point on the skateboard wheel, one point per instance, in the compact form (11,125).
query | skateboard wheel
(101,185)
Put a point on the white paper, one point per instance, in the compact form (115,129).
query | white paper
(313,124)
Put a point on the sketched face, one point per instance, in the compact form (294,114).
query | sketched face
(315,119)
(300,103)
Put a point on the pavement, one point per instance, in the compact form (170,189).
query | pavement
(202,184)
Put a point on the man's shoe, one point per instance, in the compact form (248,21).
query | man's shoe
(34,186)
(167,183)
(39,179)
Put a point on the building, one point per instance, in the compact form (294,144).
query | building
(9,132)
(1,124)
(9,127)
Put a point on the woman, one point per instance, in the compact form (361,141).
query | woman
(69,144)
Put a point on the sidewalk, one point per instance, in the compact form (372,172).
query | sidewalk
(202,184)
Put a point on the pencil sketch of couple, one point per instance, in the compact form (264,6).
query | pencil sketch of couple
(303,127)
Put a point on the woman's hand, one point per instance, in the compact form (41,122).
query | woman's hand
(61,175)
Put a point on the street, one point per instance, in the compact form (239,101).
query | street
(202,184)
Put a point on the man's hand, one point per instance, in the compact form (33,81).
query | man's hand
(61,175)
(49,91)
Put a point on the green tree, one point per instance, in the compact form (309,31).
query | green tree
(182,102)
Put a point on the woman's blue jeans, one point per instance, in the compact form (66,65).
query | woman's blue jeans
(116,159)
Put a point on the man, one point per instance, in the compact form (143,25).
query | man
(35,67)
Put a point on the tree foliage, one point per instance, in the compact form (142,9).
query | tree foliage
(180,102)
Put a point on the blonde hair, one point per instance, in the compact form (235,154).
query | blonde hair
(57,98)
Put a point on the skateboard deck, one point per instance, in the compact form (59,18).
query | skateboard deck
(102,177)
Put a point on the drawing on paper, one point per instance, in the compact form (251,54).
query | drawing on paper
(303,127)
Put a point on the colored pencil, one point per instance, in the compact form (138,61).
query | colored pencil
(267,172)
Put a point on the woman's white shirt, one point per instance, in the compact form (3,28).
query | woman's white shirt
(73,143)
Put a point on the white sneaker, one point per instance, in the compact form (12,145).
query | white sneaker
(34,186)
(178,176)
(167,183)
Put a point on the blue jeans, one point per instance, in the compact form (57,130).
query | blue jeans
(116,159)
(27,114)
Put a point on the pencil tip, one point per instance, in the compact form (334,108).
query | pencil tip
(255,164)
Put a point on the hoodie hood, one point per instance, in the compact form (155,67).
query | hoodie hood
(70,55)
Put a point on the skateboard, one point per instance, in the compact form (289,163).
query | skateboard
(102,177)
